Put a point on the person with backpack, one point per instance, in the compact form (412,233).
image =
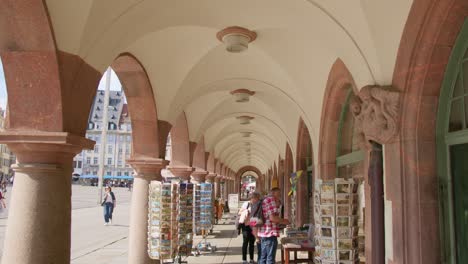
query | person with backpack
(244,226)
(270,230)
(109,204)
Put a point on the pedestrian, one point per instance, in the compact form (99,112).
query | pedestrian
(247,231)
(109,204)
(3,205)
(215,211)
(270,231)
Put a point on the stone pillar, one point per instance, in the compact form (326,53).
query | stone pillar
(183,173)
(198,176)
(147,169)
(39,221)
(375,175)
(217,186)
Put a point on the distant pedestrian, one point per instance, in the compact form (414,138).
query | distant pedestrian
(109,203)
(3,205)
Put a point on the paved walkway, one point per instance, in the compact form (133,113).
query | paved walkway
(97,244)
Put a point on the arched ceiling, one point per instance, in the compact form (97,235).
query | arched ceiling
(190,70)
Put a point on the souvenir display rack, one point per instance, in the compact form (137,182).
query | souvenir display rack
(162,236)
(205,223)
(170,221)
(336,222)
(196,209)
(185,219)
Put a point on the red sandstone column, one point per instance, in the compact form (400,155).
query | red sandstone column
(217,186)
(199,176)
(147,170)
(39,221)
(183,173)
(210,177)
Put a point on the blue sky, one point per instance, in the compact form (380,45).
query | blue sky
(115,85)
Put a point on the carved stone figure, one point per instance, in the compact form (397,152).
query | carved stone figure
(375,110)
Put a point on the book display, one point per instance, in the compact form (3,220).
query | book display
(336,219)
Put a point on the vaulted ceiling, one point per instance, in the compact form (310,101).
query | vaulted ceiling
(190,70)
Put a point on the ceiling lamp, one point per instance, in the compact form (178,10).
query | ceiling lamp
(245,120)
(246,134)
(242,95)
(236,39)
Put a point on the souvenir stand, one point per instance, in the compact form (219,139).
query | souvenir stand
(205,223)
(336,222)
(196,210)
(170,221)
(184,220)
(162,225)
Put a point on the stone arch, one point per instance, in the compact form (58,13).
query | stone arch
(34,66)
(288,169)
(210,163)
(141,105)
(410,161)
(336,91)
(199,157)
(180,143)
(239,173)
(304,200)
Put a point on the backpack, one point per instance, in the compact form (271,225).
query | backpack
(257,218)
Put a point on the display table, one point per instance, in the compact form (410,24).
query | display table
(289,245)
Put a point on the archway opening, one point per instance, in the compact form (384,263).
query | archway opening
(248,185)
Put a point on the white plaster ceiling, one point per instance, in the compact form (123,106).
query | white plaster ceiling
(287,65)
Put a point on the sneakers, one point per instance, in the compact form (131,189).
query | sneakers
(110,221)
(106,224)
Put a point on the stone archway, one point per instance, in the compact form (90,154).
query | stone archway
(260,181)
(304,197)
(336,91)
(412,181)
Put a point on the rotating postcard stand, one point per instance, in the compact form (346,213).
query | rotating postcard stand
(170,221)
(206,217)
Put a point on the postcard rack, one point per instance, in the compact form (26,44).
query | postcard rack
(170,220)
(336,222)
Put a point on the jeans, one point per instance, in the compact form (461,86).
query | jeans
(108,209)
(248,241)
(269,245)
(259,251)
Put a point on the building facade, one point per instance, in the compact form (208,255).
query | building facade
(7,158)
(119,138)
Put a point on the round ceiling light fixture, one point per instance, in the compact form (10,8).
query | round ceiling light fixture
(236,38)
(242,95)
(244,120)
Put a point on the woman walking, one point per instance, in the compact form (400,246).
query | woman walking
(109,204)
(247,232)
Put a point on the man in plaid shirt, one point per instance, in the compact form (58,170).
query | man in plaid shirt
(270,231)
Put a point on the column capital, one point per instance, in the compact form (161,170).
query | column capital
(210,177)
(182,172)
(148,168)
(199,176)
(44,147)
